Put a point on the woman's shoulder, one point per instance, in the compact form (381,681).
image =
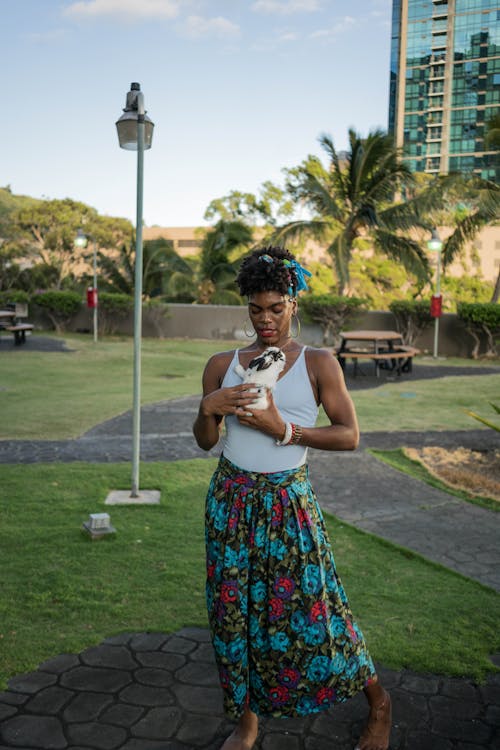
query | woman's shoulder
(220,360)
(321,359)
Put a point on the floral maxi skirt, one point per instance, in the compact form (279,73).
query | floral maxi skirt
(284,637)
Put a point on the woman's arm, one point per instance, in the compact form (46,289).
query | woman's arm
(218,402)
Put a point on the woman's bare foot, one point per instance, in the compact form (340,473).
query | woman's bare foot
(245,734)
(376,734)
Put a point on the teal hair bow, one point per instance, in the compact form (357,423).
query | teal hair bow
(300,275)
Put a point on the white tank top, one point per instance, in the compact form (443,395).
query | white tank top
(255,451)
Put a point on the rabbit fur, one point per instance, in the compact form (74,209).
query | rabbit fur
(263,371)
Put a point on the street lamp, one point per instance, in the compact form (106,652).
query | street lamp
(435,245)
(135,133)
(81,240)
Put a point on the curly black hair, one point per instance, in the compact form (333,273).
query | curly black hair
(267,275)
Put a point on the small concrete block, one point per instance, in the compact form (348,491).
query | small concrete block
(204,653)
(13,699)
(97,533)
(123,497)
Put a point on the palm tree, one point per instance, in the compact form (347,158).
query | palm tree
(217,270)
(482,208)
(165,272)
(352,197)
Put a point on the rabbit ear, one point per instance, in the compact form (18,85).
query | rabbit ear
(260,363)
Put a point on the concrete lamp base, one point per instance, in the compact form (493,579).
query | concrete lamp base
(123,497)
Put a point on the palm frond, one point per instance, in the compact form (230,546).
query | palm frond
(319,229)
(404,250)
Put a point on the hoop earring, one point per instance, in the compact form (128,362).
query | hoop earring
(248,335)
(297,334)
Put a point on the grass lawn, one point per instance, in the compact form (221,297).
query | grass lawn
(61,592)
(398,460)
(57,395)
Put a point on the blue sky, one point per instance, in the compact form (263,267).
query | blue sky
(237,89)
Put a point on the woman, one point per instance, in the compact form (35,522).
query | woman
(284,637)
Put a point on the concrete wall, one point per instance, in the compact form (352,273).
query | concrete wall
(227,322)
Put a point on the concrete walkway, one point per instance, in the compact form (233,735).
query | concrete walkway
(154,691)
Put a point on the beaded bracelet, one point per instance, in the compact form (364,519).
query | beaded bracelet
(296,434)
(287,436)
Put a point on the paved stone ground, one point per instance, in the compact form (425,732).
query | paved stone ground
(153,691)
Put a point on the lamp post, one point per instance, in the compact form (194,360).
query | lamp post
(81,240)
(135,133)
(435,245)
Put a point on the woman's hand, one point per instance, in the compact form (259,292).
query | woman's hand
(224,401)
(267,420)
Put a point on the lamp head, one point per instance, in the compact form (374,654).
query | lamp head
(435,242)
(81,239)
(134,112)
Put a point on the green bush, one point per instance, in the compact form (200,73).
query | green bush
(113,307)
(331,312)
(14,295)
(412,317)
(481,320)
(59,306)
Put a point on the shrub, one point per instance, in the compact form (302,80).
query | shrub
(331,312)
(412,317)
(59,306)
(481,319)
(113,307)
(14,295)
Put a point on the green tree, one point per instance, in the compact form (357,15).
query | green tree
(216,266)
(161,263)
(353,197)
(268,208)
(49,229)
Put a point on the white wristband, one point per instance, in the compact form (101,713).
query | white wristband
(288,435)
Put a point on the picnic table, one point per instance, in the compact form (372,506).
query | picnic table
(9,322)
(385,348)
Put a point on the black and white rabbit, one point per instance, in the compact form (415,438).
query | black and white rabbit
(264,371)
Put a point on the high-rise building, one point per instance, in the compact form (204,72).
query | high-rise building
(445,84)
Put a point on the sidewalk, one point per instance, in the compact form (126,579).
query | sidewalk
(154,691)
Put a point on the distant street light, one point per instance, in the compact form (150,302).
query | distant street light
(135,133)
(435,245)
(81,240)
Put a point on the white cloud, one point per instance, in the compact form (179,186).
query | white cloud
(285,7)
(124,9)
(343,25)
(196,27)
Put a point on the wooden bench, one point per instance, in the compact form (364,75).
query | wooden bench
(399,359)
(19,331)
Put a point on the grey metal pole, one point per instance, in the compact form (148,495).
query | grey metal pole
(438,293)
(138,300)
(95,292)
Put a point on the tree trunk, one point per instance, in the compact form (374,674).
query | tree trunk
(496,291)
